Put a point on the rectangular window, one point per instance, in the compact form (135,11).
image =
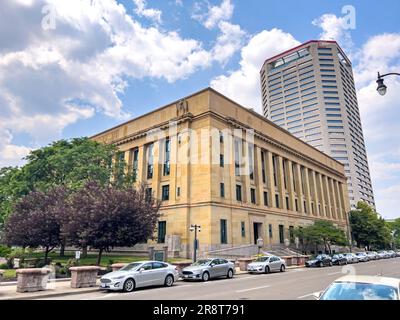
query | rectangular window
(251,160)
(222,190)
(263,167)
(266,198)
(238,153)
(305,207)
(165,193)
(274,165)
(238,192)
(178,191)
(296,202)
(161,230)
(167,167)
(281,234)
(243,228)
(135,163)
(221,137)
(150,160)
(277,200)
(287,203)
(223,232)
(221,160)
(253,195)
(270,231)
(149,194)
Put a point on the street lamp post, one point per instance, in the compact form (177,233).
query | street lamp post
(382,88)
(196,228)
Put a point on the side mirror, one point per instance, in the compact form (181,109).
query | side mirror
(141,269)
(212,264)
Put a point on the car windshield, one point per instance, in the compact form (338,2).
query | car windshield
(359,291)
(336,256)
(201,262)
(319,257)
(262,259)
(131,266)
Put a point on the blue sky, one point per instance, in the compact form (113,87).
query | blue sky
(73,68)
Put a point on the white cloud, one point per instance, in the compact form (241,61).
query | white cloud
(335,28)
(228,42)
(10,154)
(214,14)
(142,11)
(243,84)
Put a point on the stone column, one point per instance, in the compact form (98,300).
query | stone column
(299,188)
(333,200)
(258,176)
(281,184)
(307,191)
(327,197)
(246,179)
(321,188)
(338,202)
(315,191)
(157,168)
(290,185)
(142,172)
(270,179)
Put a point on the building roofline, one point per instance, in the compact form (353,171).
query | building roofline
(300,46)
(258,115)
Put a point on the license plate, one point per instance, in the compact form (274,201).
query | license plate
(104,285)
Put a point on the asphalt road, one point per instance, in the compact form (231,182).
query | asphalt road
(293,284)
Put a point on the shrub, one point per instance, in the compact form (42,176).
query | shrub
(4,251)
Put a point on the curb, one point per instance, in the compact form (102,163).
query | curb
(55,294)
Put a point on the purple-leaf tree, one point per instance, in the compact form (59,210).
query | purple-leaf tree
(107,217)
(35,220)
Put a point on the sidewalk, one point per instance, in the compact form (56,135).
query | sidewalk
(62,287)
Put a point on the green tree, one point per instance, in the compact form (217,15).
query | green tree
(64,163)
(367,228)
(321,232)
(395,228)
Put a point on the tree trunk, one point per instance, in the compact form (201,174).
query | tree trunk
(62,248)
(46,254)
(84,252)
(99,256)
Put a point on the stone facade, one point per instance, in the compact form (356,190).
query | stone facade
(217,164)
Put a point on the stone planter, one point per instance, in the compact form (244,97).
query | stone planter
(32,279)
(244,262)
(84,277)
(117,266)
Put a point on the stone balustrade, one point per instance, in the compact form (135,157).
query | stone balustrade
(84,277)
(117,266)
(32,279)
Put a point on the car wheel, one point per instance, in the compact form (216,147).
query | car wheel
(169,281)
(129,285)
(330,263)
(206,276)
(266,269)
(320,265)
(230,274)
(283,268)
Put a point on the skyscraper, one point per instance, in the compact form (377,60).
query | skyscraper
(309,90)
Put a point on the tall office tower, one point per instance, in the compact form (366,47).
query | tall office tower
(309,91)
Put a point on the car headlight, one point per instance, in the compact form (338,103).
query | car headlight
(118,278)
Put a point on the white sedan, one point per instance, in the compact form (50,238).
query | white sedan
(266,264)
(140,274)
(362,288)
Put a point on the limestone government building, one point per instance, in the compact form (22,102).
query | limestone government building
(217,164)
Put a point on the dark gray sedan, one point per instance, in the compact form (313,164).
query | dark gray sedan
(206,269)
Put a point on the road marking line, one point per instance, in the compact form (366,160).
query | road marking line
(245,290)
(305,296)
(331,274)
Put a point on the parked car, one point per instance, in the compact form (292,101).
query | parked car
(398,253)
(206,269)
(392,253)
(266,264)
(140,274)
(352,287)
(339,259)
(321,260)
(372,255)
(384,254)
(351,258)
(362,257)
